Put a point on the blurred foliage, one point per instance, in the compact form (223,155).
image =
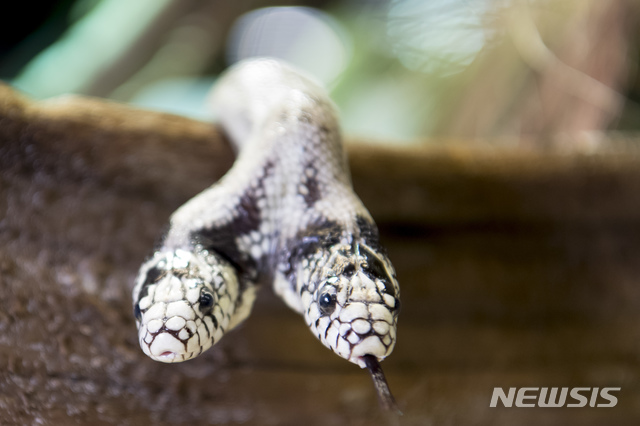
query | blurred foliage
(537,72)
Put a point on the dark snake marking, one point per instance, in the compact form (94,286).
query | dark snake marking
(321,235)
(223,239)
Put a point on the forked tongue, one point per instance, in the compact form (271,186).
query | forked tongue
(387,401)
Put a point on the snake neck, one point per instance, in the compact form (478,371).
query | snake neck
(291,174)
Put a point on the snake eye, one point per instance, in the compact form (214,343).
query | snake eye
(205,303)
(137,313)
(327,303)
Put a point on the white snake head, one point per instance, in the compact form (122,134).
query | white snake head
(352,303)
(182,303)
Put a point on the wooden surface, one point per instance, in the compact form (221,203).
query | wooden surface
(517,268)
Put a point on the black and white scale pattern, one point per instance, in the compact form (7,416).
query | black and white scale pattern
(286,215)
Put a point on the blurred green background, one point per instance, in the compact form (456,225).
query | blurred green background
(543,73)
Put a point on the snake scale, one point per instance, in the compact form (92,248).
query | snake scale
(284,214)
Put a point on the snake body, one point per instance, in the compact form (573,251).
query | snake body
(285,214)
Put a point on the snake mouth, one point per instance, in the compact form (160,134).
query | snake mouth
(166,356)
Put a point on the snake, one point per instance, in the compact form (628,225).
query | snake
(285,214)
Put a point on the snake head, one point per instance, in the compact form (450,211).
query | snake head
(352,304)
(182,303)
